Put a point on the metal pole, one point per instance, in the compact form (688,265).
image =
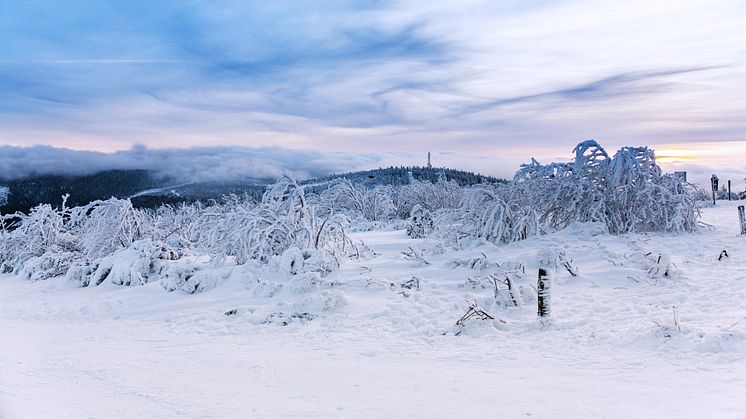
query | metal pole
(728,190)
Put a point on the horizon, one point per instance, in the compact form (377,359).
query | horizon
(230,163)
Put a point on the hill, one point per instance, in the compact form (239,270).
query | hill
(147,190)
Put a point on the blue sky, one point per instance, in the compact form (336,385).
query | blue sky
(483,84)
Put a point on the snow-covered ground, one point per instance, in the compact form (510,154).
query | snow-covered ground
(625,340)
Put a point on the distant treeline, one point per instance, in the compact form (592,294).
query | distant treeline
(401,176)
(26,193)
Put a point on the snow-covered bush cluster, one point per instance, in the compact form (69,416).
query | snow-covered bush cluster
(283,220)
(299,233)
(372,204)
(110,241)
(383,203)
(627,193)
(89,244)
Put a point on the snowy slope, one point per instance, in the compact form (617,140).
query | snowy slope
(365,342)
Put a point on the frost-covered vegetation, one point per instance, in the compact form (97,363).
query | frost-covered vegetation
(385,281)
(306,233)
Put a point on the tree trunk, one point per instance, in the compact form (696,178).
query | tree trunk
(742,219)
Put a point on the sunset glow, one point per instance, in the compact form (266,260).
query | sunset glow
(717,152)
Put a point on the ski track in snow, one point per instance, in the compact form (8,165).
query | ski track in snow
(612,349)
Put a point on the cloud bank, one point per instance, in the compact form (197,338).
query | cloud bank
(186,164)
(235,163)
(230,163)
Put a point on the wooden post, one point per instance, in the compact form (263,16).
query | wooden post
(714,183)
(742,219)
(728,190)
(544,293)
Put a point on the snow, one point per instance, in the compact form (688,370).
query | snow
(365,342)
(156,191)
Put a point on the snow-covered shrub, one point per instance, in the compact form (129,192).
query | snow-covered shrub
(111,241)
(428,196)
(343,196)
(330,233)
(38,245)
(308,263)
(485,214)
(628,192)
(103,227)
(420,223)
(86,244)
(563,193)
(173,227)
(283,220)
(52,263)
(192,279)
(135,265)
(641,198)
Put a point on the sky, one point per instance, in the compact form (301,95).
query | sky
(484,85)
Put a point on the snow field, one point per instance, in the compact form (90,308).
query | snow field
(625,340)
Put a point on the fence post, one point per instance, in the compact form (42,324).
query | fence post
(742,219)
(714,184)
(544,289)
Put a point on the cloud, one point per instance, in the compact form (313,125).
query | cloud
(184,164)
(610,87)
(475,77)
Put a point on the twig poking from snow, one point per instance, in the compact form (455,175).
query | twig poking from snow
(676,319)
(371,283)
(472,312)
(567,263)
(415,255)
(413,283)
